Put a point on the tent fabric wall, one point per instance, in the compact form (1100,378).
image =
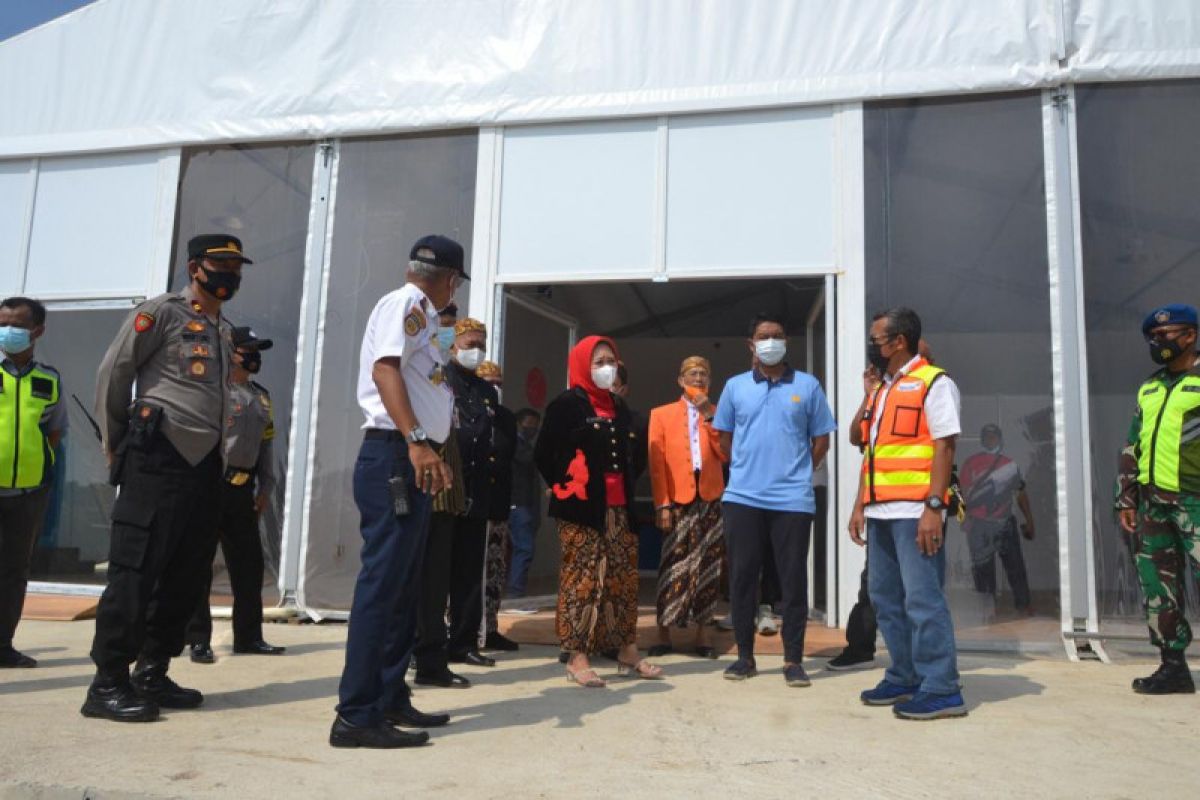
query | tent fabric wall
(194,71)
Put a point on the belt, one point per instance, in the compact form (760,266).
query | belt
(389,435)
(236,476)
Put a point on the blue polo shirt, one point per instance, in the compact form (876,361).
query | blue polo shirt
(772,424)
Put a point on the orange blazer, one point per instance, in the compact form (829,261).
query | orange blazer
(671,475)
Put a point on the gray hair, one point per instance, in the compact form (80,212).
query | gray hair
(421,269)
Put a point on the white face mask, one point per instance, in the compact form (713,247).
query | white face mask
(770,351)
(992,450)
(469,358)
(604,377)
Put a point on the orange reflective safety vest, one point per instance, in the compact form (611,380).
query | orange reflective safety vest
(899,460)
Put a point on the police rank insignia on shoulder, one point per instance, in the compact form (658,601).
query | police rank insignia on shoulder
(143,322)
(414,323)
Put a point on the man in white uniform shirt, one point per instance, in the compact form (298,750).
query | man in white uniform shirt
(408,409)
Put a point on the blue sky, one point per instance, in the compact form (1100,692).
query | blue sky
(21,15)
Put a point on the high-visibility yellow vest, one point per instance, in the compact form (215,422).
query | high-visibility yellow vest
(25,454)
(1169,440)
(899,461)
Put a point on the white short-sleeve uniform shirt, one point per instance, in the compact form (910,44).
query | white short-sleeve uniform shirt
(404,325)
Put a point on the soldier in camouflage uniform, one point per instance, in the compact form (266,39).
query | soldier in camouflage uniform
(1158,500)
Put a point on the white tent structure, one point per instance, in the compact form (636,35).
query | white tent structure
(1021,171)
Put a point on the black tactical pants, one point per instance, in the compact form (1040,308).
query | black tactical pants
(20,524)
(237,532)
(163,519)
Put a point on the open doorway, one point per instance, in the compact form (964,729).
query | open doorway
(655,326)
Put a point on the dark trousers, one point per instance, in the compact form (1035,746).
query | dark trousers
(162,519)
(383,612)
(237,533)
(20,524)
(452,571)
(861,627)
(749,534)
(990,538)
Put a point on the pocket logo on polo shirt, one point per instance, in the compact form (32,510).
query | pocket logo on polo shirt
(909,386)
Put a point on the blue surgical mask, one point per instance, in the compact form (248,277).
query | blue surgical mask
(445,337)
(14,340)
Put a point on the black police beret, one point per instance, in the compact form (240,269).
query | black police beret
(216,246)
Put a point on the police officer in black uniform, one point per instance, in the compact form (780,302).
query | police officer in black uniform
(165,453)
(245,491)
(454,553)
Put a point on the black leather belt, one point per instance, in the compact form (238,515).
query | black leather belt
(383,433)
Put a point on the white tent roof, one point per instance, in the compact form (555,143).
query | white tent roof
(123,74)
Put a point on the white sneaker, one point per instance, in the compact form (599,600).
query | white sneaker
(765,621)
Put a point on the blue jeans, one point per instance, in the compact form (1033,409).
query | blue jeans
(522,531)
(383,614)
(910,606)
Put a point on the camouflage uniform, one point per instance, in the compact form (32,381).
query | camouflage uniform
(1168,532)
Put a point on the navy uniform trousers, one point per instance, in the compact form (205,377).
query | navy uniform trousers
(383,614)
(162,519)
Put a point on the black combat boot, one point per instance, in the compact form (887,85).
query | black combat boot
(112,697)
(151,682)
(1172,677)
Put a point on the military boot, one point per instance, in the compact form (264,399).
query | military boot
(1172,677)
(150,680)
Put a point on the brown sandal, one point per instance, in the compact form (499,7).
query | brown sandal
(581,678)
(643,669)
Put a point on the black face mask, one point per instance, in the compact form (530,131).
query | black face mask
(251,361)
(221,285)
(528,432)
(878,360)
(1164,351)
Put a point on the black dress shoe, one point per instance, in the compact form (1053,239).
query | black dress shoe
(151,682)
(117,701)
(563,656)
(474,658)
(445,679)
(411,718)
(498,641)
(259,648)
(381,737)
(11,658)
(201,654)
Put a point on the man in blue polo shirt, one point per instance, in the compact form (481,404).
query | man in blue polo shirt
(776,423)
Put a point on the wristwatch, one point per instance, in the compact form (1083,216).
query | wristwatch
(417,436)
(935,503)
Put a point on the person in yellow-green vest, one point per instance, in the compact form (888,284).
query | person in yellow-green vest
(32,421)
(1158,494)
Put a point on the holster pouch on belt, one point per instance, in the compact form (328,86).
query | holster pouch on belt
(144,422)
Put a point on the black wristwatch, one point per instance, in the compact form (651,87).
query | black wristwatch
(417,436)
(935,503)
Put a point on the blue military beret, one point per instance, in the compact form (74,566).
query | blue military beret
(1172,314)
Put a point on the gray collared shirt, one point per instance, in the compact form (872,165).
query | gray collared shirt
(250,433)
(172,355)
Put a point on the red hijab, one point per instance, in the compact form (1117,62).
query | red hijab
(579,373)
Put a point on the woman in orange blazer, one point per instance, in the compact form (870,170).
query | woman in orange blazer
(687,478)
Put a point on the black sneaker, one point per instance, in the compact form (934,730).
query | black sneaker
(795,676)
(741,669)
(151,682)
(380,737)
(201,654)
(847,660)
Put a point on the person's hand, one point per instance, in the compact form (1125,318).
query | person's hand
(1128,519)
(871,379)
(432,474)
(260,502)
(1027,531)
(929,532)
(858,526)
(663,519)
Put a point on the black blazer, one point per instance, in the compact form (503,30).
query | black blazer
(500,464)
(475,405)
(570,427)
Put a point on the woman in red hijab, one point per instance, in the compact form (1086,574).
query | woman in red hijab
(588,455)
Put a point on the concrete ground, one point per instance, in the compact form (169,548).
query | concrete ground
(1038,728)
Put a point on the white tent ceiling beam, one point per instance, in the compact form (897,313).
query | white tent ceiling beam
(131,74)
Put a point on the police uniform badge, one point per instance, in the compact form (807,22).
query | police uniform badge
(195,326)
(415,322)
(143,322)
(201,350)
(198,369)
(1162,315)
(437,375)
